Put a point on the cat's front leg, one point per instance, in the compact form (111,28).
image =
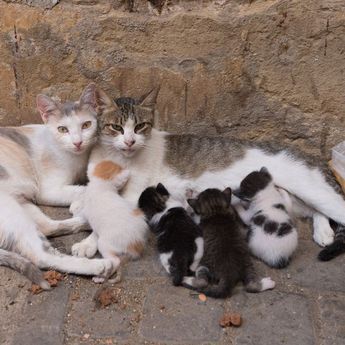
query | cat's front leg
(323,234)
(59,195)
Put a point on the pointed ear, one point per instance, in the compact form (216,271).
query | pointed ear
(46,106)
(193,203)
(227,192)
(264,170)
(162,190)
(96,98)
(149,99)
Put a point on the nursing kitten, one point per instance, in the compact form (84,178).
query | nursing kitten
(226,260)
(179,239)
(41,163)
(128,137)
(272,236)
(118,227)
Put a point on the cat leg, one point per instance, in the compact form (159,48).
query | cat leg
(51,227)
(87,247)
(323,233)
(252,283)
(108,252)
(59,196)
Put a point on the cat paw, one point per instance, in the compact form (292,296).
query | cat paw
(109,267)
(76,208)
(84,249)
(267,284)
(323,236)
(122,179)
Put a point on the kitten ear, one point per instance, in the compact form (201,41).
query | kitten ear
(238,193)
(193,203)
(162,190)
(264,170)
(149,99)
(46,106)
(227,192)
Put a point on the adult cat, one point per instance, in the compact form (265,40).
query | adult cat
(179,161)
(41,163)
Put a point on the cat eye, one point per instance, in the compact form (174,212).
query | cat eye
(63,129)
(86,125)
(117,128)
(139,127)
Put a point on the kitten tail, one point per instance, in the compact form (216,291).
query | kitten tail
(23,266)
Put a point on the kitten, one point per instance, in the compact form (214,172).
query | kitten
(128,137)
(226,260)
(179,239)
(118,228)
(272,236)
(41,163)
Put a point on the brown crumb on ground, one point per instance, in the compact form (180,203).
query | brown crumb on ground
(231,319)
(106,296)
(53,277)
(35,289)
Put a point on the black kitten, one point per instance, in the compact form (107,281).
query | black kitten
(226,259)
(179,239)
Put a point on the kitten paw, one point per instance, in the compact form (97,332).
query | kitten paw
(76,207)
(84,249)
(109,267)
(267,284)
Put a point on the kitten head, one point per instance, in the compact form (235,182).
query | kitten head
(153,200)
(128,124)
(253,183)
(74,124)
(211,202)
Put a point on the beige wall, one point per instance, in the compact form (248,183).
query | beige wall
(255,69)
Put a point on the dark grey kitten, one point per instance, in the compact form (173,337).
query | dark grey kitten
(226,259)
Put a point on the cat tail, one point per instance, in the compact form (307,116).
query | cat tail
(23,266)
(337,247)
(178,271)
(221,290)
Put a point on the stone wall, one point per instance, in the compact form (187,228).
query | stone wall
(257,69)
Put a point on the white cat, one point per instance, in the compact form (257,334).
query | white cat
(118,227)
(41,163)
(181,160)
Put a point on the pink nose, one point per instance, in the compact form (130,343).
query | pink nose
(78,144)
(130,143)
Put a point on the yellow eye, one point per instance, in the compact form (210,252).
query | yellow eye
(63,129)
(116,128)
(86,125)
(139,126)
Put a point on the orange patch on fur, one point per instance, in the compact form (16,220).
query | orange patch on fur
(136,249)
(106,170)
(137,212)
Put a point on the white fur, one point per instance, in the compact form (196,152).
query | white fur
(199,241)
(112,219)
(267,284)
(164,258)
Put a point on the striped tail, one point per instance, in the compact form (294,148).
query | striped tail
(23,266)
(337,247)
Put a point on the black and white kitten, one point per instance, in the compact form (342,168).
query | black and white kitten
(179,239)
(272,236)
(226,260)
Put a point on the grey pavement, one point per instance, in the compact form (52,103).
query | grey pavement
(307,306)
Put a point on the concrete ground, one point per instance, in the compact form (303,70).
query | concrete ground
(306,307)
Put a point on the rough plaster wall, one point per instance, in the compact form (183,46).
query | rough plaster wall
(258,69)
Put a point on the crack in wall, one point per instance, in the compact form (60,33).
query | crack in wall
(15,53)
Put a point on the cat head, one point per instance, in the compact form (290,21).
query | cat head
(74,124)
(153,200)
(253,183)
(128,124)
(212,201)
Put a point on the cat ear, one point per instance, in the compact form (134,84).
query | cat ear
(238,193)
(193,203)
(264,170)
(162,190)
(46,106)
(149,99)
(96,98)
(227,192)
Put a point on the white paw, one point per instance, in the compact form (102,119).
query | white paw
(122,178)
(323,236)
(267,284)
(76,207)
(109,267)
(98,280)
(84,249)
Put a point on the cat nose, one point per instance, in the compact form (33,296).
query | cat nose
(78,144)
(130,143)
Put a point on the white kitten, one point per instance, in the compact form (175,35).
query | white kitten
(118,227)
